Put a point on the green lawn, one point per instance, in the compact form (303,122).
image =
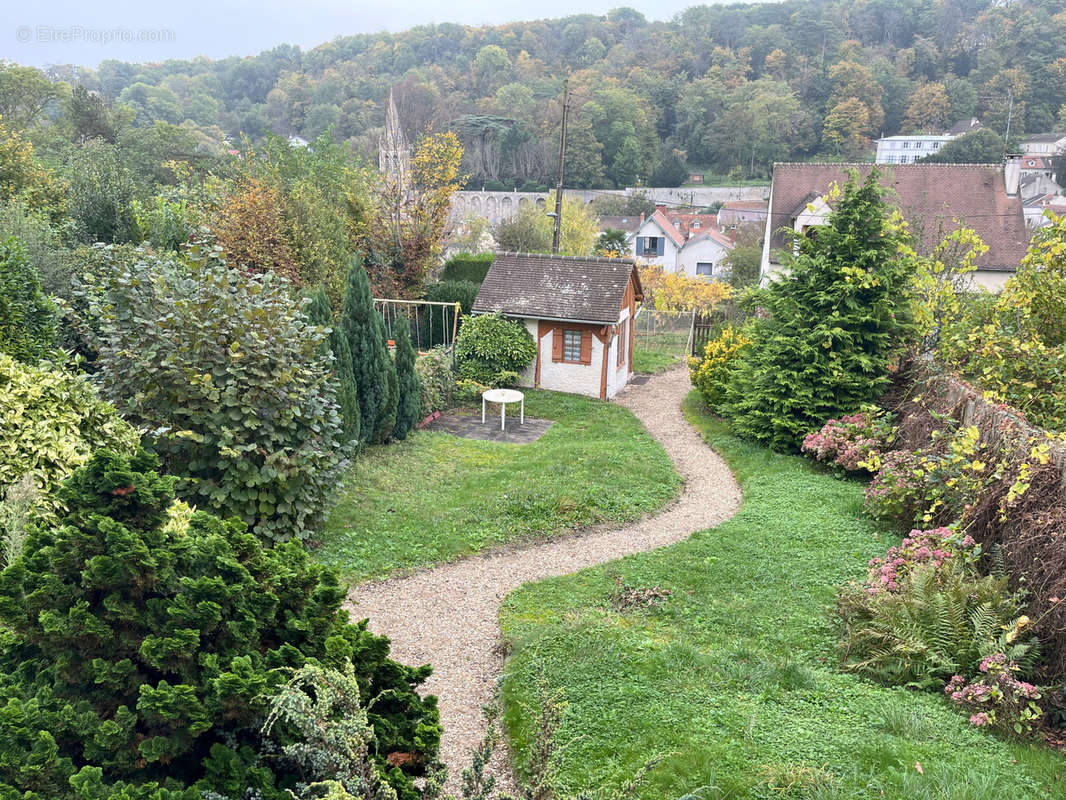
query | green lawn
(650,362)
(733,680)
(436,497)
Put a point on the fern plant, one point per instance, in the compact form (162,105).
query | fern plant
(942,621)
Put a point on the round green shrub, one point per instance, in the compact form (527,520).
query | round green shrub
(227,376)
(489,345)
(51,422)
(146,652)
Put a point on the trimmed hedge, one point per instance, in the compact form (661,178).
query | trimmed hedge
(467,267)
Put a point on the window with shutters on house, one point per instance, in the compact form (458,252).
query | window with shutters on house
(572,346)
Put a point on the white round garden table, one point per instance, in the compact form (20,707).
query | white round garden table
(503,397)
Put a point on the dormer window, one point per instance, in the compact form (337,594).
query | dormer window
(696,224)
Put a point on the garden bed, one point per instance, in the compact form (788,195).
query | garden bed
(734,680)
(436,497)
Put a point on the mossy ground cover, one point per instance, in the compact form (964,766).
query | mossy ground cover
(436,497)
(733,681)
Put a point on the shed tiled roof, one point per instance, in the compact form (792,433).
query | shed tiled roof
(933,198)
(571,288)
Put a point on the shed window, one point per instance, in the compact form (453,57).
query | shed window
(704,268)
(572,346)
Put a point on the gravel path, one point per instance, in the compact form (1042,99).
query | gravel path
(448,616)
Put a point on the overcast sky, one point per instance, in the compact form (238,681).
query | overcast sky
(85,33)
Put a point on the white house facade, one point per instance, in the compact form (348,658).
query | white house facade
(908,149)
(687,243)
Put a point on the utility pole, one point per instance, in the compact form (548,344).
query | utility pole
(559,180)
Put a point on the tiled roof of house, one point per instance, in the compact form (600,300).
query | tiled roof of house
(933,198)
(571,288)
(1037,162)
(964,126)
(664,222)
(629,224)
(1044,137)
(689,225)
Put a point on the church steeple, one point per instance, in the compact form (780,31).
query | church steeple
(394,156)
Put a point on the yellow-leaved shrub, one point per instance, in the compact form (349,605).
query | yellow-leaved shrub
(710,374)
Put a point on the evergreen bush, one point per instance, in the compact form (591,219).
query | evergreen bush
(320,313)
(409,404)
(832,327)
(27,317)
(227,377)
(467,267)
(362,328)
(489,345)
(437,325)
(134,652)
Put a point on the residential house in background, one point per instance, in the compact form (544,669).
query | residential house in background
(933,198)
(908,149)
(682,242)
(1034,208)
(1044,144)
(964,126)
(628,224)
(578,310)
(738,212)
(1038,176)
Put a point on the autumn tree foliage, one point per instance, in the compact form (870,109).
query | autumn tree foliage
(409,243)
(676,291)
(250,228)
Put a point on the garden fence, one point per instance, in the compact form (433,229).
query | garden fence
(665,333)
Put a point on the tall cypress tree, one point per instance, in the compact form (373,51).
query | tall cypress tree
(364,332)
(410,390)
(320,312)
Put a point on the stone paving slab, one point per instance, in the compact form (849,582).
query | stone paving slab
(469,426)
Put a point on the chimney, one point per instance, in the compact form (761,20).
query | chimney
(660,208)
(641,217)
(1012,173)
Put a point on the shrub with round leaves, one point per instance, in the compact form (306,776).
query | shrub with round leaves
(145,652)
(489,344)
(228,377)
(51,422)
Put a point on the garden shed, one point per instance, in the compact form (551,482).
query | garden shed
(579,311)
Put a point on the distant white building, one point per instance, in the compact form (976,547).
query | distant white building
(1044,144)
(908,149)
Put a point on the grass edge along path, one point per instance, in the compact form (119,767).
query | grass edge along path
(435,497)
(733,681)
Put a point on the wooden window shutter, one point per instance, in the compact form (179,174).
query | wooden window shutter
(586,347)
(640,245)
(557,344)
(662,246)
(621,345)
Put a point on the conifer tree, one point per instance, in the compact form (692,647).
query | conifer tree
(27,317)
(834,322)
(320,312)
(410,391)
(364,332)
